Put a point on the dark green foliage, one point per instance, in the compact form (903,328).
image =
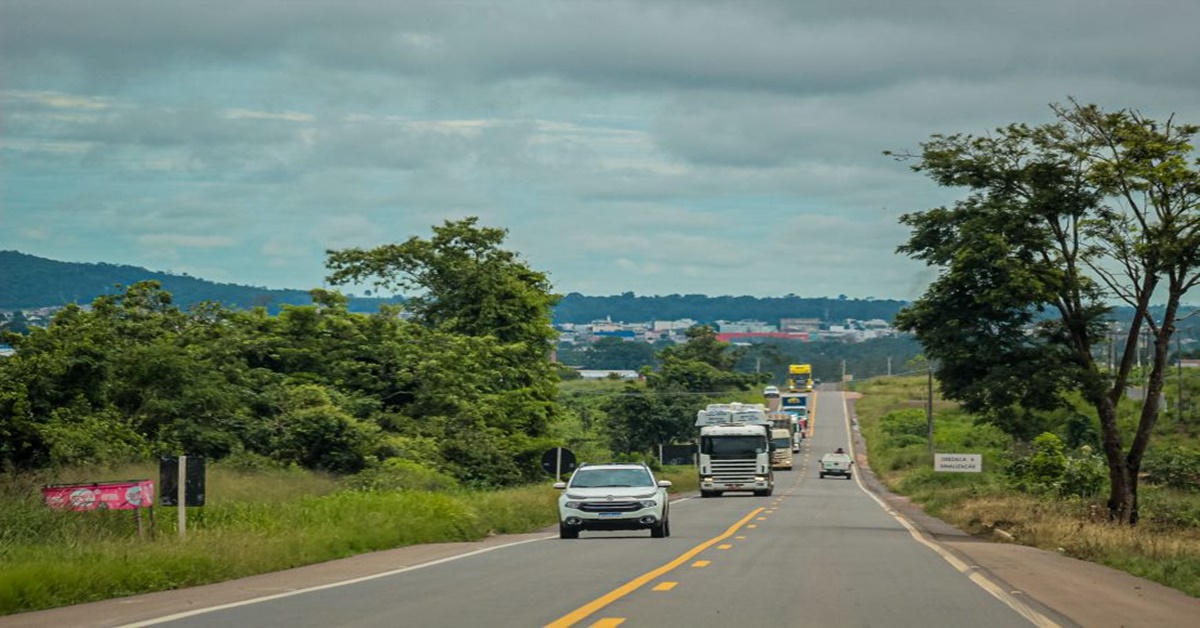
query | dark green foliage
(1046,467)
(1174,467)
(618,354)
(32,282)
(465,389)
(911,422)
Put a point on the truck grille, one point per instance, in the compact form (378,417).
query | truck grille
(734,470)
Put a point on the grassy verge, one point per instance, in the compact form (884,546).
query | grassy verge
(1164,547)
(253,523)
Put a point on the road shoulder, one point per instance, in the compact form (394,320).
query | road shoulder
(1068,590)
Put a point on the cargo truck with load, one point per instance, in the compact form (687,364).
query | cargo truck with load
(735,450)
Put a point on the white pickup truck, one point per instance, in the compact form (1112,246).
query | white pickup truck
(836,464)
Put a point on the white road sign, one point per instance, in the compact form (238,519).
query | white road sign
(960,463)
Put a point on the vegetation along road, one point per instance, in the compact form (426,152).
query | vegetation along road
(817,552)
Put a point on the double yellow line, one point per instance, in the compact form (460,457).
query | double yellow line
(583,612)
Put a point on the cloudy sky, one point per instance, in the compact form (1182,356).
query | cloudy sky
(660,147)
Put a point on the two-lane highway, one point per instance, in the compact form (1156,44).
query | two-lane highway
(816,553)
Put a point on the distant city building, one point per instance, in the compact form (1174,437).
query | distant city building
(799,324)
(745,327)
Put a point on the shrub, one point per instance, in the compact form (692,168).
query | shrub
(910,422)
(397,475)
(1084,475)
(1173,467)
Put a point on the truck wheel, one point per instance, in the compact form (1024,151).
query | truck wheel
(822,475)
(659,531)
(567,532)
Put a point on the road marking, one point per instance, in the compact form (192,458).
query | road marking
(331,585)
(702,563)
(664,586)
(608,622)
(978,578)
(583,612)
(724,546)
(740,537)
(752,526)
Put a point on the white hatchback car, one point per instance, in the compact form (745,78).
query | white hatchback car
(613,497)
(771,391)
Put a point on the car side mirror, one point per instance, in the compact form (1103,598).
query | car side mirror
(560,485)
(664,484)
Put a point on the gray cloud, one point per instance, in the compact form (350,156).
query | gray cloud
(644,145)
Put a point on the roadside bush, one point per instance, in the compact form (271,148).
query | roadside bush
(1173,467)
(1084,475)
(398,475)
(909,422)
(1038,468)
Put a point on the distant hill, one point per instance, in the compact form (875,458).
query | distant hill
(29,282)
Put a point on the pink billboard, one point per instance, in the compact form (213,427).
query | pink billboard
(122,495)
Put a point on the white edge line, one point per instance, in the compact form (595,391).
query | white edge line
(331,585)
(982,581)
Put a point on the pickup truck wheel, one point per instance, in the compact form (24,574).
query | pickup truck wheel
(659,531)
(822,476)
(566,532)
(708,493)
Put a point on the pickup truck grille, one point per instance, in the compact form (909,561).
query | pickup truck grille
(610,506)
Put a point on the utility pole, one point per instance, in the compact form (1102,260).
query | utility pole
(929,403)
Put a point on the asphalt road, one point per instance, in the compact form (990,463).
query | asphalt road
(817,553)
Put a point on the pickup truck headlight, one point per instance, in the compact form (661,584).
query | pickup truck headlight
(760,478)
(648,503)
(573,505)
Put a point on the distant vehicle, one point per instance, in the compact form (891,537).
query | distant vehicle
(613,497)
(781,449)
(771,391)
(836,464)
(800,378)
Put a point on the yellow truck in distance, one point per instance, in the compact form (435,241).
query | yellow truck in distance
(800,378)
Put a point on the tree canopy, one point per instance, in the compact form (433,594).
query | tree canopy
(1060,221)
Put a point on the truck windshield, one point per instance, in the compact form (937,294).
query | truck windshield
(733,446)
(782,443)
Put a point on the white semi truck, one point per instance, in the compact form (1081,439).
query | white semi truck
(781,448)
(735,450)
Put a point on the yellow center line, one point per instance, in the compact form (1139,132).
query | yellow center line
(725,546)
(702,563)
(581,613)
(664,586)
(608,622)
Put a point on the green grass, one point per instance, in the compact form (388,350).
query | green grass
(1164,547)
(253,522)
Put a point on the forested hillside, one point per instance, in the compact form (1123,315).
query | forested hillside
(30,282)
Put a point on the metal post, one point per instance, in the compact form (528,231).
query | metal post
(558,464)
(929,404)
(181,496)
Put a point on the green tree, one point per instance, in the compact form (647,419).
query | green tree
(615,353)
(1060,220)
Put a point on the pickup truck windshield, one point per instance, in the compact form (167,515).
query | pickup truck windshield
(605,478)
